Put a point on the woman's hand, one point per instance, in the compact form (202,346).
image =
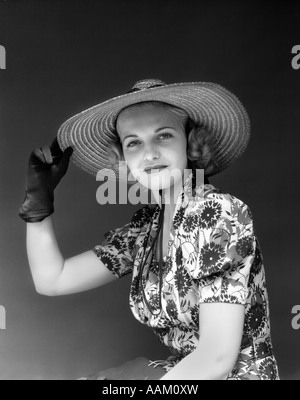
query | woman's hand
(46,167)
(137,369)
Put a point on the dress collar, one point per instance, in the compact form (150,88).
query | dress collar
(182,200)
(192,187)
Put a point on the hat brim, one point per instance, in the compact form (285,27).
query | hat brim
(91,132)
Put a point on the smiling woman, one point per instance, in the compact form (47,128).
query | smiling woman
(161,141)
(199,150)
(198,278)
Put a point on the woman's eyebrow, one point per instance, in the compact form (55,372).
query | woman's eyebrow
(156,130)
(164,127)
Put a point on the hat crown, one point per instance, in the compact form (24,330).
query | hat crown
(146,84)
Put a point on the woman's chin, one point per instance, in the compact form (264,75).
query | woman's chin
(156,181)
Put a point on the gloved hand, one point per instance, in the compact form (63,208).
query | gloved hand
(46,167)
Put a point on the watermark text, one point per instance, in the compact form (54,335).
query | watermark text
(2,57)
(296,318)
(131,391)
(296,58)
(155,183)
(2,317)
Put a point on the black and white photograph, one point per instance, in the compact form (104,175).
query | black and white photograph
(149,192)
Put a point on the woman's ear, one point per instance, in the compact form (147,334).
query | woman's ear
(190,152)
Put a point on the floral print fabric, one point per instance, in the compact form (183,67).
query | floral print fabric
(213,256)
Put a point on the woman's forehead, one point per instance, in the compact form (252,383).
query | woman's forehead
(146,115)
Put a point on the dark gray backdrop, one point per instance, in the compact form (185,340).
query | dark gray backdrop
(65,56)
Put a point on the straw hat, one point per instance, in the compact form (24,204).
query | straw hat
(91,132)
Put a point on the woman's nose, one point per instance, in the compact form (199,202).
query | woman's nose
(151,152)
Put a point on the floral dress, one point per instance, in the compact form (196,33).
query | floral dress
(213,256)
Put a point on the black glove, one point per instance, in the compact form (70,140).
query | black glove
(46,166)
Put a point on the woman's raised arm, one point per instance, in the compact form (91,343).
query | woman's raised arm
(52,274)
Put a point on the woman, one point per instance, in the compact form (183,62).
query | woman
(197,273)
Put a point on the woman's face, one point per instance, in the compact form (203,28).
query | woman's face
(152,136)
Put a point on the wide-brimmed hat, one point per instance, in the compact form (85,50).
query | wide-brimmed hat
(92,132)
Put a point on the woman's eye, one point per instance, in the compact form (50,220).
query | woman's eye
(166,134)
(133,142)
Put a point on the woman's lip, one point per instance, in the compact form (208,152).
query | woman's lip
(155,169)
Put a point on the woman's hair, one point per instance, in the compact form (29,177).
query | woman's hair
(199,151)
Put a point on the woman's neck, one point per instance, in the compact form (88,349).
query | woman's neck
(168,197)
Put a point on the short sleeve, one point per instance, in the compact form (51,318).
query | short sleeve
(226,251)
(117,249)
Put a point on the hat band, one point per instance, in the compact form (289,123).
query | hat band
(140,89)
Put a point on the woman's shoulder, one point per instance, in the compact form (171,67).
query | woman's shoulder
(214,197)
(143,215)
